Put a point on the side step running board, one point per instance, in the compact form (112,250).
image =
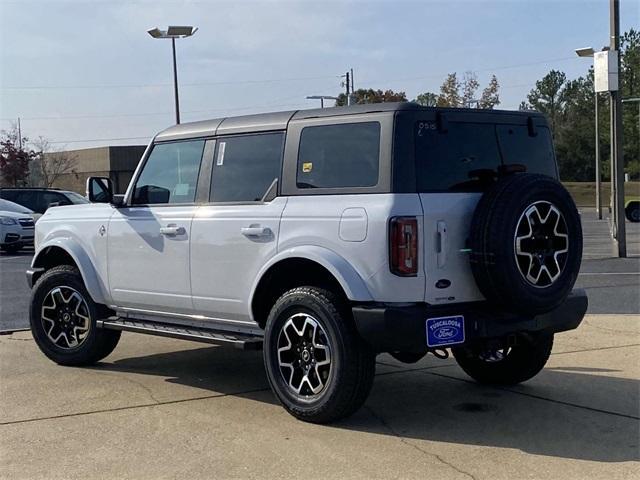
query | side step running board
(241,341)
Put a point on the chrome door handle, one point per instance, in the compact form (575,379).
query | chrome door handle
(172,230)
(255,231)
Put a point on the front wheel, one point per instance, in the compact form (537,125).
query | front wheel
(63,319)
(505,366)
(317,365)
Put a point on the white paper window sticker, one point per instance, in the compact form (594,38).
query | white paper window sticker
(181,189)
(221,147)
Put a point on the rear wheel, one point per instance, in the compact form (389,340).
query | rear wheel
(632,212)
(63,319)
(317,365)
(505,365)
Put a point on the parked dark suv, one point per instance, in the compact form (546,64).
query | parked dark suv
(40,199)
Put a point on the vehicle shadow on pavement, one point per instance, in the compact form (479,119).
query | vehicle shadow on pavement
(558,414)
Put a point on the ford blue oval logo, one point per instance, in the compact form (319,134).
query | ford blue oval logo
(445,333)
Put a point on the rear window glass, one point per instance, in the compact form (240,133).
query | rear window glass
(334,156)
(468,156)
(534,152)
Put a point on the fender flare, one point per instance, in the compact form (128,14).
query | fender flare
(92,281)
(351,282)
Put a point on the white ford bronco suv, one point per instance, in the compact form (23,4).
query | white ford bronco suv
(324,237)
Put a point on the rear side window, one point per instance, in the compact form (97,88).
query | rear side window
(467,157)
(170,174)
(334,156)
(245,167)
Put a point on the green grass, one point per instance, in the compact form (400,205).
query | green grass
(584,193)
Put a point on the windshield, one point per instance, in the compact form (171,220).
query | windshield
(7,206)
(468,157)
(76,198)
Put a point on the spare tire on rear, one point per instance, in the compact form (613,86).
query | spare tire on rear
(526,243)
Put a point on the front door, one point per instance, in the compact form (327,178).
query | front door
(236,233)
(148,240)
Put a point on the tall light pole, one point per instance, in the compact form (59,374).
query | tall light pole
(174,32)
(589,52)
(617,172)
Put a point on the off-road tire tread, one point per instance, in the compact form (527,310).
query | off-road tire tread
(524,362)
(101,342)
(358,368)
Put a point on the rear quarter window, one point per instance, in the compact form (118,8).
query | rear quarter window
(335,156)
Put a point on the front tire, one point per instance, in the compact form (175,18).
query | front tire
(318,367)
(63,319)
(505,366)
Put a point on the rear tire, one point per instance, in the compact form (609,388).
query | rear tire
(508,366)
(318,367)
(63,319)
(632,212)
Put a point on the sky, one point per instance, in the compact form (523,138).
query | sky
(85,73)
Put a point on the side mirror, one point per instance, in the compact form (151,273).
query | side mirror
(99,190)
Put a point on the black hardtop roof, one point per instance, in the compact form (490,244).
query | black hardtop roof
(264,122)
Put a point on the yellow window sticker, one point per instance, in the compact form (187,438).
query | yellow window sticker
(307,167)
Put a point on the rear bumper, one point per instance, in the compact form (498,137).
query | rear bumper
(403,329)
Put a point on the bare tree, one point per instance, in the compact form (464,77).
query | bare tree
(51,164)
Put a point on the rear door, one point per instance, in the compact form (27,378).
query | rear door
(444,158)
(456,162)
(236,232)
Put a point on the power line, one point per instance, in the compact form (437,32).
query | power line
(154,85)
(492,69)
(249,81)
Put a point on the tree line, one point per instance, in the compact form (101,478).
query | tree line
(31,163)
(568,104)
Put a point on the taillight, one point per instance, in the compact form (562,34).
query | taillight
(403,246)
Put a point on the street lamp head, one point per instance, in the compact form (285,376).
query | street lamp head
(585,52)
(157,33)
(173,32)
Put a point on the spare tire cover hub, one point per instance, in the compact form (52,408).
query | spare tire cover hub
(541,244)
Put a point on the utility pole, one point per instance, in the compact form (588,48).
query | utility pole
(19,134)
(617,159)
(348,89)
(598,193)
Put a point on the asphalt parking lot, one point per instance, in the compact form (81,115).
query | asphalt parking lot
(163,408)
